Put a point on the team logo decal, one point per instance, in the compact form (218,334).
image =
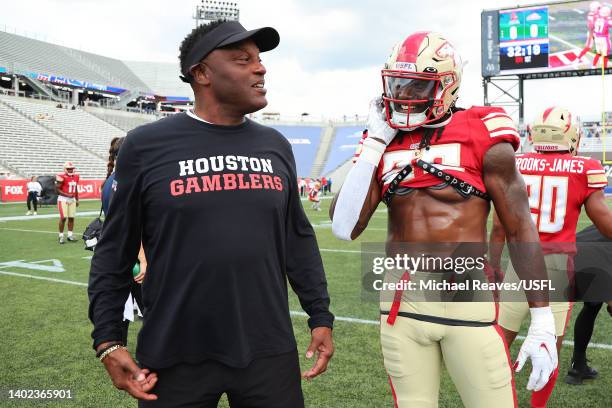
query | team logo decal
(446,50)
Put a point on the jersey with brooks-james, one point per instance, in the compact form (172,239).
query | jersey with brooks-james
(558,184)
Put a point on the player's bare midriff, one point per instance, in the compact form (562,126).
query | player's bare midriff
(428,216)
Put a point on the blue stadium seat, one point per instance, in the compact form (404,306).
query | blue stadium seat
(343,148)
(305,141)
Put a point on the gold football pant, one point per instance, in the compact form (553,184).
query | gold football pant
(513,313)
(66,209)
(476,358)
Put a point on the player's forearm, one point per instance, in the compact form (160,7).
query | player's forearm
(497,240)
(357,200)
(527,258)
(597,210)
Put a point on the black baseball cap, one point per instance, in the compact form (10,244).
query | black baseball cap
(227,33)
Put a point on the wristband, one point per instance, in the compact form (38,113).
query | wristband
(542,317)
(372,151)
(540,312)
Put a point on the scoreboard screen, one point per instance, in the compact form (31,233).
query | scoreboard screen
(543,38)
(523,38)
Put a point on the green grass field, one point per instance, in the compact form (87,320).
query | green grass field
(45,339)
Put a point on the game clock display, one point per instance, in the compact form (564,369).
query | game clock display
(521,56)
(523,38)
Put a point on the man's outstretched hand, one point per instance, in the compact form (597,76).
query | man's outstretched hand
(127,376)
(322,345)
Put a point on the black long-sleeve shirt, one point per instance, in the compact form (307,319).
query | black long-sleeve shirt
(223,228)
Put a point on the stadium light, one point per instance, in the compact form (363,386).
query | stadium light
(210,10)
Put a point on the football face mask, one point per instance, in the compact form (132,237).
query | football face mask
(413,99)
(69,168)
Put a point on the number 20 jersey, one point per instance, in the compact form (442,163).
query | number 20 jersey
(558,184)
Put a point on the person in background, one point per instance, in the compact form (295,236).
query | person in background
(314,195)
(67,188)
(329,185)
(302,186)
(107,193)
(324,185)
(34,189)
(590,260)
(559,186)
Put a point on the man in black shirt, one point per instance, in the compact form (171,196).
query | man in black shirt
(592,284)
(214,198)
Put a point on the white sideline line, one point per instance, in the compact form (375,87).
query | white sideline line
(291,312)
(27,230)
(339,318)
(45,278)
(38,217)
(376,322)
(350,251)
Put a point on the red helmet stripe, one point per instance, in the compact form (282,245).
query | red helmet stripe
(409,50)
(546,113)
(569,122)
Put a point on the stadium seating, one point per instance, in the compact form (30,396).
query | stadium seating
(343,148)
(161,77)
(32,150)
(123,120)
(305,142)
(25,54)
(78,126)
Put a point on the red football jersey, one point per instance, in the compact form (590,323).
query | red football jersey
(459,151)
(68,183)
(558,184)
(601,27)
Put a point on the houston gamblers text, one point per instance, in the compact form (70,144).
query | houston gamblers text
(259,175)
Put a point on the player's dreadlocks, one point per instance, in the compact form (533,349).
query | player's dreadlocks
(193,37)
(429,133)
(112,154)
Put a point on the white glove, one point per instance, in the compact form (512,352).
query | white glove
(541,346)
(377,122)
